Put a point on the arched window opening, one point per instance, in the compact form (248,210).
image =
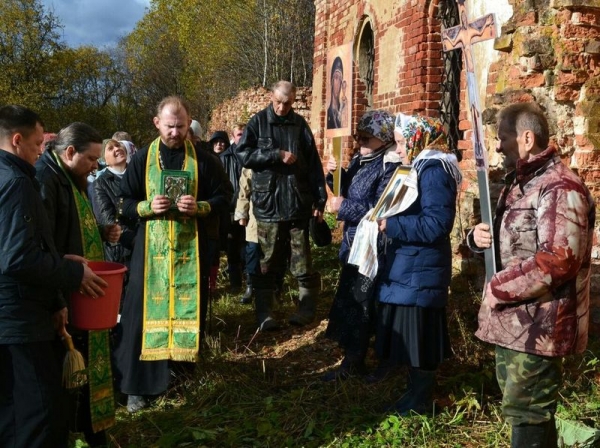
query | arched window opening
(452,68)
(366,60)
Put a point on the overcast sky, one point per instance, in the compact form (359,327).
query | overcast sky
(99,23)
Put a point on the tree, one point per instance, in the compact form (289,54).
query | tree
(29,43)
(208,50)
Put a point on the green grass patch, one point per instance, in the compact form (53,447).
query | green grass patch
(263,390)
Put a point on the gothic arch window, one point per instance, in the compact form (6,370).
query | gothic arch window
(452,68)
(366,59)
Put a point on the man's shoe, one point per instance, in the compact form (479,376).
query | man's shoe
(136,403)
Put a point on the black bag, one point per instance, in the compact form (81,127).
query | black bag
(319,232)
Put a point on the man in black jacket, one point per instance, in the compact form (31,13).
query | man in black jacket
(31,308)
(288,187)
(231,234)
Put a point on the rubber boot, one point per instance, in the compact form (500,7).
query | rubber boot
(263,302)
(418,397)
(307,302)
(542,435)
(247,297)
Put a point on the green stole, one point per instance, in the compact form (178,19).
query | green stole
(171,328)
(102,405)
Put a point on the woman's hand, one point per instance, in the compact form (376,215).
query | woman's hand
(111,233)
(335,203)
(331,164)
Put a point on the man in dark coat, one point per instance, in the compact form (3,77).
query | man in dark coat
(32,310)
(62,172)
(170,261)
(288,187)
(232,234)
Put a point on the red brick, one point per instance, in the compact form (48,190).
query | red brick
(565,93)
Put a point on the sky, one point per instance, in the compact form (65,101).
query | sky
(99,23)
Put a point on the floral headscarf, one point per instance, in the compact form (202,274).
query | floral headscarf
(426,141)
(378,123)
(420,133)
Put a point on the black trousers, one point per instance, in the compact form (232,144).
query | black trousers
(31,407)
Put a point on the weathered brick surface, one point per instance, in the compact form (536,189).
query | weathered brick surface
(246,103)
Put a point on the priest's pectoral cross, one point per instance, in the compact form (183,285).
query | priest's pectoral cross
(463,36)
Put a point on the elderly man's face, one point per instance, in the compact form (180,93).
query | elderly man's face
(282,104)
(507,145)
(172,124)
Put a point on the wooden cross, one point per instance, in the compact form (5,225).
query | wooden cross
(463,36)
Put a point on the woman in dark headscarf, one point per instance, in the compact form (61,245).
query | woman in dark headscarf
(352,311)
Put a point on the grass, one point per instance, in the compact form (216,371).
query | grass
(263,390)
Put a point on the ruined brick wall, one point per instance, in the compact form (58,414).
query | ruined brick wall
(248,102)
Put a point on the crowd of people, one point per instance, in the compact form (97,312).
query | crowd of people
(168,210)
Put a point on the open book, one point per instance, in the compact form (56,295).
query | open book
(400,192)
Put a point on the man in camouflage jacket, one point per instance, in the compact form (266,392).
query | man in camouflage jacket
(536,307)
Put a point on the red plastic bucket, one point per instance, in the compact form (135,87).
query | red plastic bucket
(99,313)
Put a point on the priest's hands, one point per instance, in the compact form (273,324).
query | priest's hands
(187,205)
(160,204)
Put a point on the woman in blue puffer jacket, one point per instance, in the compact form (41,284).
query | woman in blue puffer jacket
(413,287)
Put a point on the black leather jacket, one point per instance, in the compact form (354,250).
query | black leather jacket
(105,200)
(282,192)
(233,168)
